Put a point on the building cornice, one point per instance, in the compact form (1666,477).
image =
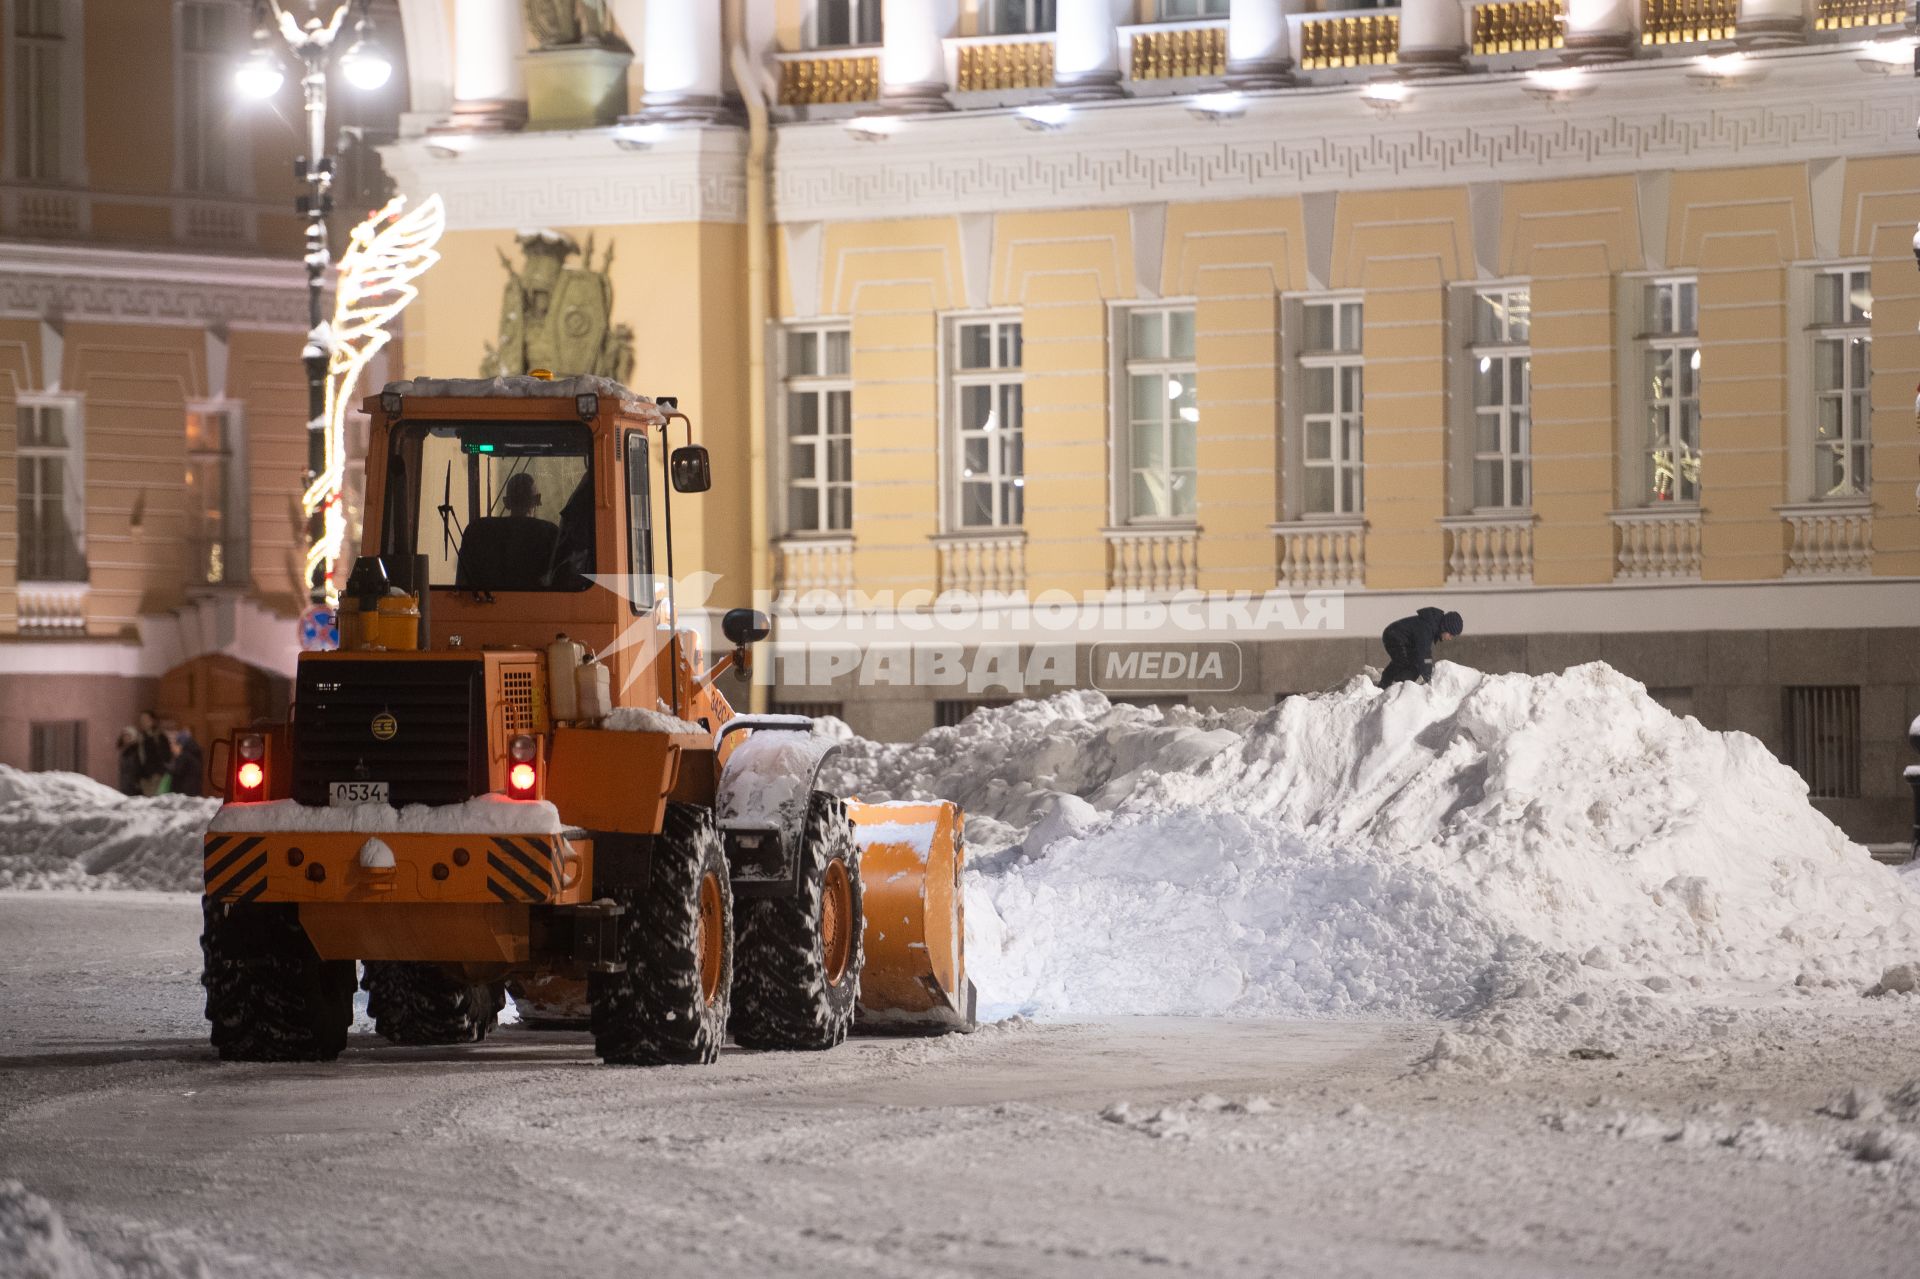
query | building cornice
(1638,115)
(592,177)
(125,286)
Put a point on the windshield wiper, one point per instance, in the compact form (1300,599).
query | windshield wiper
(450,530)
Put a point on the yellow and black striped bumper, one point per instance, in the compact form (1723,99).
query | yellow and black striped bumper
(338,866)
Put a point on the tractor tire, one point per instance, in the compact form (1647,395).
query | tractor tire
(426,1004)
(269,996)
(799,958)
(668,1007)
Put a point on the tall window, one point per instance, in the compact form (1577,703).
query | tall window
(1331,400)
(1163,415)
(1842,369)
(1175,10)
(1502,414)
(37,100)
(819,431)
(52,505)
(839,23)
(1670,379)
(208,38)
(988,415)
(216,516)
(1019,17)
(57,746)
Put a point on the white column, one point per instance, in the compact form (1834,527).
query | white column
(1771,22)
(1599,31)
(1259,50)
(488,92)
(1433,37)
(913,61)
(681,67)
(1086,48)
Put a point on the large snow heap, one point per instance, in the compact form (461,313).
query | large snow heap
(1427,849)
(62,830)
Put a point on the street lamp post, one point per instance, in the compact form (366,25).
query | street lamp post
(365,66)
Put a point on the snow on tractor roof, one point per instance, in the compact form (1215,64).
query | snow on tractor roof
(523,387)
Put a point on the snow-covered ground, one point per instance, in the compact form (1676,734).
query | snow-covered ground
(1506,975)
(1200,1146)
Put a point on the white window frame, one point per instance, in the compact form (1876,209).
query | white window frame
(1168,368)
(794,381)
(73,500)
(68,144)
(1041,17)
(1008,481)
(232,566)
(1682,346)
(1855,400)
(1300,421)
(1513,454)
(223,169)
(860,14)
(1201,10)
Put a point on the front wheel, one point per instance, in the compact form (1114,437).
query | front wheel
(426,1004)
(800,957)
(668,1005)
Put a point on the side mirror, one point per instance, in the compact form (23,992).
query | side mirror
(691,469)
(744,626)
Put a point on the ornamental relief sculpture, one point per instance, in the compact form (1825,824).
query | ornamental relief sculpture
(559,317)
(568,24)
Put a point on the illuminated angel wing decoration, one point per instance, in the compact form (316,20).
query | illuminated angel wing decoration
(385,255)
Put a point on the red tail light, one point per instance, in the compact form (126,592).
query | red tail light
(250,768)
(523,778)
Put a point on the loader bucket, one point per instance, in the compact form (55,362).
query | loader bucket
(910,861)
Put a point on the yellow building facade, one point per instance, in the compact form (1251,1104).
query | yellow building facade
(152,402)
(1597,326)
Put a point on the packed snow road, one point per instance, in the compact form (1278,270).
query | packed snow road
(1199,1146)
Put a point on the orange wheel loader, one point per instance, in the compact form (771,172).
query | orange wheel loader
(517,774)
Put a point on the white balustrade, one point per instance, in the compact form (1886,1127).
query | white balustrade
(1829,539)
(1321,554)
(52,608)
(1657,543)
(1489,549)
(1155,559)
(812,564)
(983,563)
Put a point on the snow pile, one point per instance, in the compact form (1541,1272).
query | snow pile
(62,830)
(36,1244)
(1446,849)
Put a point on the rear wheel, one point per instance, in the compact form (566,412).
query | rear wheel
(669,1004)
(800,957)
(269,996)
(426,1004)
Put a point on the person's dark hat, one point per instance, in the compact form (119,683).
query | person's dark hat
(1452,624)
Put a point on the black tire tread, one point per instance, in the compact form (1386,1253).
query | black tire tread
(270,997)
(651,1014)
(419,1004)
(781,998)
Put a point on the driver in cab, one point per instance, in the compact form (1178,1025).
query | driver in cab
(511,552)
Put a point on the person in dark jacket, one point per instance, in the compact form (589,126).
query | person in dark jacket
(1410,642)
(188,763)
(156,753)
(129,745)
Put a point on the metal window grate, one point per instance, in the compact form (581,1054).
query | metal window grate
(516,699)
(1823,738)
(59,746)
(814,710)
(948,713)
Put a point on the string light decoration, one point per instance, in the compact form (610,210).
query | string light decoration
(384,256)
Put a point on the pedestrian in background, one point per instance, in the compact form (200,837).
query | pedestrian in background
(1409,643)
(188,763)
(156,754)
(129,745)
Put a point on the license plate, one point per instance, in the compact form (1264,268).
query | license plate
(347,794)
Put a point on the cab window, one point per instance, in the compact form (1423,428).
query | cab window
(639,525)
(497,506)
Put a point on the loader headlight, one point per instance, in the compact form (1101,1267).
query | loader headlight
(250,746)
(521,749)
(587,405)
